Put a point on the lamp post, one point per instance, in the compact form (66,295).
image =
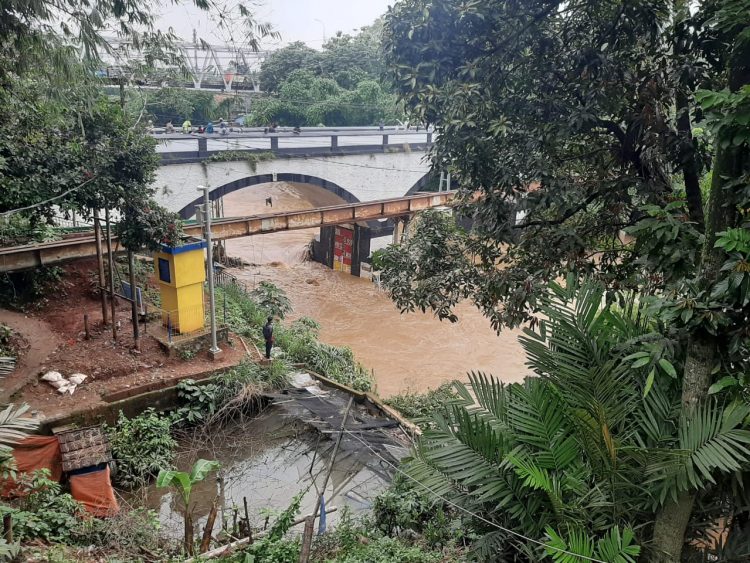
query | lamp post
(214,351)
(324,28)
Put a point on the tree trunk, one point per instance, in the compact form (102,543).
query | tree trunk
(684,127)
(189,542)
(672,521)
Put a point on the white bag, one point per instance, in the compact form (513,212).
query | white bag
(77,378)
(64,389)
(52,376)
(57,384)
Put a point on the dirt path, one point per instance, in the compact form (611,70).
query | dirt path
(42,341)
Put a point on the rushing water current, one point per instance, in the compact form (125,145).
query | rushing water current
(408,352)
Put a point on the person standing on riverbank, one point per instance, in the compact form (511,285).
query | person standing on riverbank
(268,336)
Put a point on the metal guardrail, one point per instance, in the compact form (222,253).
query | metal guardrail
(178,147)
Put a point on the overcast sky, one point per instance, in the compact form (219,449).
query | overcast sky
(296,20)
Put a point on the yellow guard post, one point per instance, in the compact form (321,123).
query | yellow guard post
(181,272)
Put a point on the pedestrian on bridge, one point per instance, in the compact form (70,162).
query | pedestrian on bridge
(268,336)
(169,128)
(210,127)
(187,127)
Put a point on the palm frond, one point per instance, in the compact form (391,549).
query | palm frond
(15,425)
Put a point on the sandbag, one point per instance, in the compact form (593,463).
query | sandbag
(77,378)
(52,376)
(59,383)
(94,491)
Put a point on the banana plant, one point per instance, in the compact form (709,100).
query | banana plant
(183,483)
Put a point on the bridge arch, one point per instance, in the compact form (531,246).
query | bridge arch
(241,183)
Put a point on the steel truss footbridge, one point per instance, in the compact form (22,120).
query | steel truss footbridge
(210,66)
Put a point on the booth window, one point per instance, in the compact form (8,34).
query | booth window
(164,271)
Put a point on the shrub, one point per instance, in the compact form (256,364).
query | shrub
(272,298)
(43,511)
(417,406)
(141,446)
(356,541)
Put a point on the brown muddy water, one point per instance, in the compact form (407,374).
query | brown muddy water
(265,461)
(407,352)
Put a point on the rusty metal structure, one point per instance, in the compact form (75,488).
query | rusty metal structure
(31,256)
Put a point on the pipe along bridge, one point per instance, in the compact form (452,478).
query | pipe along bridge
(31,256)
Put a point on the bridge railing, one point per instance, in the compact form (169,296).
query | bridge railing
(190,147)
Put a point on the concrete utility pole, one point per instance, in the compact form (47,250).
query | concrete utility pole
(214,351)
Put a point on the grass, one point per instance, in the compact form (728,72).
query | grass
(298,342)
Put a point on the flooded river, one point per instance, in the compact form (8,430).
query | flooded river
(410,352)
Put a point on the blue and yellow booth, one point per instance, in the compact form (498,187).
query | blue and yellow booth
(182,272)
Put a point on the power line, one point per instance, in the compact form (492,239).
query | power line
(46,201)
(469,512)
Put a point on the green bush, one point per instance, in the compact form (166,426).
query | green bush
(405,508)
(272,298)
(357,541)
(417,406)
(141,446)
(299,341)
(43,511)
(199,402)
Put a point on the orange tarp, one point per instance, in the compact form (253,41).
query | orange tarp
(94,491)
(37,452)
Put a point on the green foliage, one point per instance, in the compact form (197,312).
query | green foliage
(274,548)
(345,58)
(565,454)
(299,342)
(387,550)
(355,541)
(613,547)
(183,482)
(405,509)
(130,531)
(412,272)
(272,298)
(44,511)
(251,158)
(340,86)
(19,289)
(177,105)
(141,446)
(418,406)
(15,425)
(199,402)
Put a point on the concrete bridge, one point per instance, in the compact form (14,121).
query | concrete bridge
(356,165)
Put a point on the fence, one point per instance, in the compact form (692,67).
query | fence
(172,325)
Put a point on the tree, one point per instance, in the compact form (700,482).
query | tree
(281,63)
(580,456)
(576,113)
(352,58)
(183,483)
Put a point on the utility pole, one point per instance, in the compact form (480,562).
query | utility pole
(100,263)
(134,302)
(111,262)
(214,351)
